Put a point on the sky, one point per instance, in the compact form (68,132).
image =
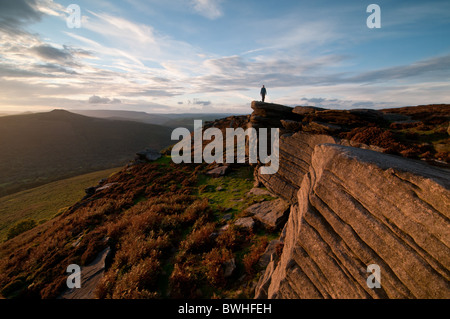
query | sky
(190,56)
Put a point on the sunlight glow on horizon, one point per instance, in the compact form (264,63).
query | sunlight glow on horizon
(213,56)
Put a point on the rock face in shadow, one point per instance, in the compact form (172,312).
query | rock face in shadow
(354,208)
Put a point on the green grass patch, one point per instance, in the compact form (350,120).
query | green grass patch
(164,160)
(434,135)
(47,201)
(228,194)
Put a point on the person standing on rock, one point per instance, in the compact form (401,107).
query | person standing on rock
(263,93)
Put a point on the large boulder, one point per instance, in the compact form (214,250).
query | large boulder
(272,214)
(246,222)
(356,208)
(218,171)
(148,155)
(269,115)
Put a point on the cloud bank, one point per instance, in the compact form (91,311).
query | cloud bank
(119,61)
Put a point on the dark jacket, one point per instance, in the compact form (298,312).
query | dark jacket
(263,91)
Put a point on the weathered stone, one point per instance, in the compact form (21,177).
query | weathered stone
(230,267)
(269,115)
(109,185)
(302,110)
(358,207)
(320,127)
(261,106)
(269,254)
(90,190)
(90,277)
(148,155)
(295,159)
(273,214)
(246,222)
(262,287)
(259,192)
(218,171)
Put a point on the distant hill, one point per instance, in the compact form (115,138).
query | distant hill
(126,115)
(171,120)
(43,147)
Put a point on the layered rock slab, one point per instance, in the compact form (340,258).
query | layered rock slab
(355,208)
(295,159)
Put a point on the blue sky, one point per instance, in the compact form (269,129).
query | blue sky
(214,55)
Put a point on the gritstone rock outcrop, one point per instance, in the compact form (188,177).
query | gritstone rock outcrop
(295,159)
(357,207)
(353,206)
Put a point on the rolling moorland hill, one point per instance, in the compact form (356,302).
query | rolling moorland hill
(39,148)
(354,188)
(171,120)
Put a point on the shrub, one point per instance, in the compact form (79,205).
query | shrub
(410,153)
(252,258)
(139,281)
(145,222)
(134,247)
(197,208)
(105,286)
(199,239)
(13,288)
(21,227)
(183,281)
(214,262)
(202,189)
(233,237)
(116,229)
(371,136)
(443,156)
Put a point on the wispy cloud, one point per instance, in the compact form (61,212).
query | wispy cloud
(437,67)
(115,28)
(210,9)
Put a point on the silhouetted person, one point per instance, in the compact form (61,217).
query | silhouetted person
(263,93)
